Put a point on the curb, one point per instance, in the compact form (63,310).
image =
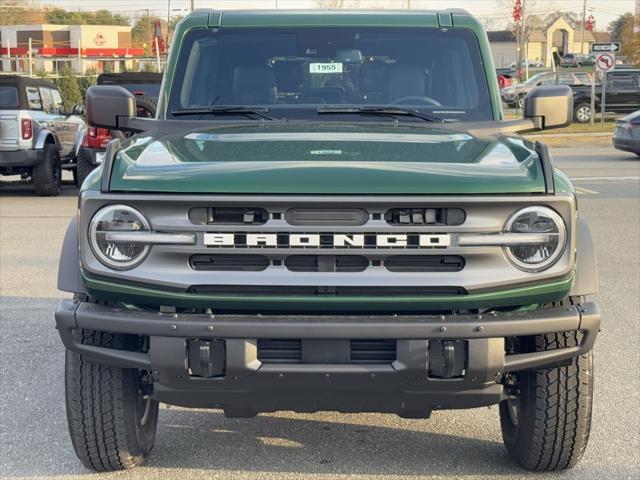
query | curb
(570,135)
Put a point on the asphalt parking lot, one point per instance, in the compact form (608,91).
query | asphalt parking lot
(200,444)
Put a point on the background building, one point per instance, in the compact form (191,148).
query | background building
(78,47)
(552,39)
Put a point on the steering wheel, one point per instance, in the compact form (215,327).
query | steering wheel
(414,100)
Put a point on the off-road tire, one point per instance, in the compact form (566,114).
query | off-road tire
(83,167)
(146,107)
(554,411)
(105,408)
(47,175)
(582,113)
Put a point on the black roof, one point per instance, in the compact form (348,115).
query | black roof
(25,81)
(129,77)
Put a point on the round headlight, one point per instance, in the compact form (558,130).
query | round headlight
(539,255)
(116,254)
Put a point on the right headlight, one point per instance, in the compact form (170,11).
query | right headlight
(119,255)
(540,255)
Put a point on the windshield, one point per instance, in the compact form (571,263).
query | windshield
(295,71)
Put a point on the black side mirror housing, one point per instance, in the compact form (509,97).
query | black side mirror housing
(549,106)
(77,110)
(108,105)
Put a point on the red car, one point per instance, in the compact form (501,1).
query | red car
(146,87)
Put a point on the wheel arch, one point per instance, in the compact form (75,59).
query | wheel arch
(586,282)
(46,136)
(69,275)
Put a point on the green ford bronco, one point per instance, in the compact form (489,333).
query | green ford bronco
(328,213)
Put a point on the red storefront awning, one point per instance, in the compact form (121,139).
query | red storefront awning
(85,52)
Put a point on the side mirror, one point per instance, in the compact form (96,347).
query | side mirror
(77,110)
(549,106)
(107,104)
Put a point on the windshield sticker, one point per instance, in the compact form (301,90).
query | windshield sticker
(325,68)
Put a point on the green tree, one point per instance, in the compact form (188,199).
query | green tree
(16,12)
(69,88)
(89,79)
(616,27)
(60,16)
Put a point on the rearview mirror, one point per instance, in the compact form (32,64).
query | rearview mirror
(108,105)
(549,106)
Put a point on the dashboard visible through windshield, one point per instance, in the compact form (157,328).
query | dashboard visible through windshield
(301,72)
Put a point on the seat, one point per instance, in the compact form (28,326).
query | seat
(254,85)
(405,81)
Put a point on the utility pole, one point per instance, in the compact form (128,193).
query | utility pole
(193,5)
(149,39)
(168,19)
(523,48)
(30,60)
(584,19)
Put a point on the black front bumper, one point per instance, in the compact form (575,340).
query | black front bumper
(246,385)
(21,158)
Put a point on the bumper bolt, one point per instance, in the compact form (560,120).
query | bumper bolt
(443,329)
(210,328)
(281,375)
(480,328)
(174,327)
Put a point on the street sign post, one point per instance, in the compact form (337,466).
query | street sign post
(605,62)
(605,47)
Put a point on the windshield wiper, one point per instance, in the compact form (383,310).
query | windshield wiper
(391,111)
(222,110)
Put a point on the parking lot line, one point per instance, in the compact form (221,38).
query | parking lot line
(585,191)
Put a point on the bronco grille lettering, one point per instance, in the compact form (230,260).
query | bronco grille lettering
(326,240)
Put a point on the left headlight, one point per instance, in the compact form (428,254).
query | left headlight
(544,252)
(119,255)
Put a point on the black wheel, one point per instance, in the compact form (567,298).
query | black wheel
(582,113)
(47,175)
(546,418)
(83,166)
(112,420)
(146,107)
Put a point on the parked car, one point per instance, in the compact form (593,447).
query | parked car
(146,87)
(622,95)
(587,60)
(514,94)
(326,215)
(626,135)
(39,136)
(569,60)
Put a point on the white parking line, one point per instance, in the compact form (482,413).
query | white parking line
(585,191)
(579,179)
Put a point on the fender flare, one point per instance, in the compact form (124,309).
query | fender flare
(43,135)
(69,275)
(586,282)
(78,141)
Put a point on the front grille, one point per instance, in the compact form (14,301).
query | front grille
(291,290)
(358,352)
(228,216)
(326,263)
(279,351)
(229,263)
(424,263)
(425,216)
(326,217)
(379,352)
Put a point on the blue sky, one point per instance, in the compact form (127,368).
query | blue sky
(603,10)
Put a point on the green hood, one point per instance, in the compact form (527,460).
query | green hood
(316,158)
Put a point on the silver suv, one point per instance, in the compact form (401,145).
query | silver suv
(38,137)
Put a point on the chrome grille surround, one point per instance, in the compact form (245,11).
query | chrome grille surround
(486,266)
